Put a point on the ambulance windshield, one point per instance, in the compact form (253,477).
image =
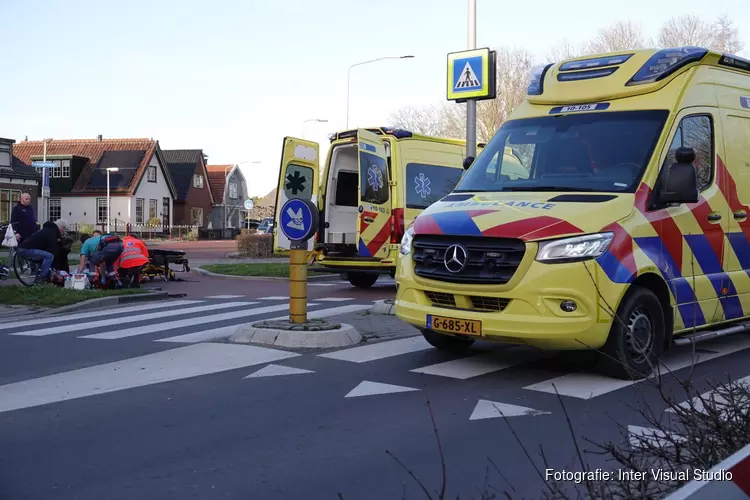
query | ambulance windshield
(599,152)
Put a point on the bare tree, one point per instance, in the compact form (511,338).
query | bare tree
(686,30)
(621,35)
(425,120)
(565,50)
(726,36)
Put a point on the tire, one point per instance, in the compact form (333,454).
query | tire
(636,339)
(26,270)
(362,280)
(446,342)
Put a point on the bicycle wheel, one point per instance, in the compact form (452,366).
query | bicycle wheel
(26,270)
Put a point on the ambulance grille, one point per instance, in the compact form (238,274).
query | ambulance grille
(490,261)
(441,299)
(488,304)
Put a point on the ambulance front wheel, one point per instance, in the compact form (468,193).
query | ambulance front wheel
(362,280)
(636,338)
(446,342)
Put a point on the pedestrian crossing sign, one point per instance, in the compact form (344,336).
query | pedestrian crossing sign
(471,75)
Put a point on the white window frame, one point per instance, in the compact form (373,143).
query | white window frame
(65,169)
(233,191)
(198,181)
(54,203)
(101,205)
(140,203)
(152,203)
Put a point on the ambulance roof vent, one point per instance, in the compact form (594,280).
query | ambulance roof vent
(398,133)
(596,62)
(666,62)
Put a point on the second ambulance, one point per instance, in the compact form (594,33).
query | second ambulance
(629,231)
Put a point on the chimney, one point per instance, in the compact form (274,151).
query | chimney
(99,138)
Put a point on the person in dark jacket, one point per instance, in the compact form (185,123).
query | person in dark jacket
(43,245)
(61,257)
(22,218)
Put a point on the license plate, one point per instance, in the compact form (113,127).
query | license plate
(454,325)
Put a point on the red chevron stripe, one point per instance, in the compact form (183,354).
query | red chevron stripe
(729,189)
(663,223)
(364,224)
(520,228)
(558,229)
(379,240)
(622,246)
(425,224)
(714,233)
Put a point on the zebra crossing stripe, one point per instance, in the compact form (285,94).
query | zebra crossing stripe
(75,326)
(381,350)
(187,322)
(106,312)
(165,366)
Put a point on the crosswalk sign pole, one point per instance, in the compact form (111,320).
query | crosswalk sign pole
(298,282)
(298,222)
(471,104)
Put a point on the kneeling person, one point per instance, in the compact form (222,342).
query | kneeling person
(134,256)
(108,251)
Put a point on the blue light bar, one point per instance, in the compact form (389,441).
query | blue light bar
(597,62)
(665,62)
(585,75)
(536,80)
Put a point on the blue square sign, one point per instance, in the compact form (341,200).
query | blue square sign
(471,75)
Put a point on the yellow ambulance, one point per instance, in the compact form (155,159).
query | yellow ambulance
(375,182)
(629,232)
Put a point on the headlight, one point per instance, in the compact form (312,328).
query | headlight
(586,247)
(406,241)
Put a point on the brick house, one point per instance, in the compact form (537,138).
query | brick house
(15,178)
(194,200)
(141,188)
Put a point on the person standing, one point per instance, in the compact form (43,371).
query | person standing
(22,218)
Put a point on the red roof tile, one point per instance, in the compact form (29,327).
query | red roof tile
(217,179)
(93,149)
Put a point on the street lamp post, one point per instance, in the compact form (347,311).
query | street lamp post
(317,120)
(45,181)
(110,169)
(349,78)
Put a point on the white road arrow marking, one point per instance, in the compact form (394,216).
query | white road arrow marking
(367,388)
(277,370)
(491,409)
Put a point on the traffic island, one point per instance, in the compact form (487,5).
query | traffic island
(312,334)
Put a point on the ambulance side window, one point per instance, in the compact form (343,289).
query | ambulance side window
(695,132)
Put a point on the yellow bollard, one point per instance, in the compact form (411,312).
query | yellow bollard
(298,285)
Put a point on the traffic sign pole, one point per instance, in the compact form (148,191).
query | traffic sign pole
(298,282)
(298,222)
(471,104)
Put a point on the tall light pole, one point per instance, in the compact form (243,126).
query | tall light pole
(45,181)
(316,120)
(349,78)
(471,104)
(110,169)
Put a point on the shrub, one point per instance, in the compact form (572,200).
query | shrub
(192,235)
(154,222)
(255,245)
(85,228)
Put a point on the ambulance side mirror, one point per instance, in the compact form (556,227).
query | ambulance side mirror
(679,183)
(468,161)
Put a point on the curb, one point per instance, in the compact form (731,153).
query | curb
(345,336)
(258,278)
(385,307)
(107,302)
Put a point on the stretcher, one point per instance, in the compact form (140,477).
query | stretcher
(159,262)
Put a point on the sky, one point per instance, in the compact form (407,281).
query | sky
(234,77)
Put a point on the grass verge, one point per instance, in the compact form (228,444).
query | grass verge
(273,270)
(52,296)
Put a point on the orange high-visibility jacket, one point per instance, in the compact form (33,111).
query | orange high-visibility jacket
(134,253)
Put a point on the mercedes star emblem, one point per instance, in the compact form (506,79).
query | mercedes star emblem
(455,258)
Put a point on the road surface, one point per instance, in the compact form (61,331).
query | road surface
(151,401)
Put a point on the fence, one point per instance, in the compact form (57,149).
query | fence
(142,231)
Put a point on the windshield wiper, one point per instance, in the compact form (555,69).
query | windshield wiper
(547,188)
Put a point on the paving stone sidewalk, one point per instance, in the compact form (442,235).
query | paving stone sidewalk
(375,327)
